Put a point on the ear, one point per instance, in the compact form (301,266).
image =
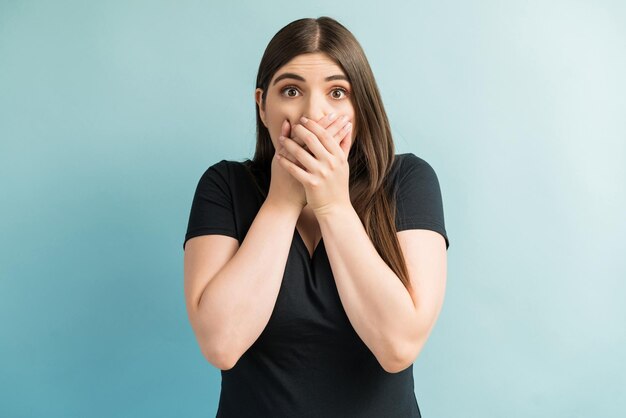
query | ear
(258,93)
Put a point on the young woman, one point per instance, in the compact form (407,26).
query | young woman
(314,273)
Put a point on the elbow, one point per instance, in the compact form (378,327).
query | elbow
(396,366)
(219,356)
(214,346)
(402,358)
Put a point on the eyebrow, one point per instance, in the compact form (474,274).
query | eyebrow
(298,77)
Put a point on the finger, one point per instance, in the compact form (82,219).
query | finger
(317,138)
(314,145)
(327,119)
(293,136)
(297,154)
(325,122)
(285,131)
(284,152)
(285,128)
(346,142)
(335,129)
(299,173)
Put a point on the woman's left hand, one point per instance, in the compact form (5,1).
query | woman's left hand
(326,172)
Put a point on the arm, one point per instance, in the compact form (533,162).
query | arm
(230,311)
(393,323)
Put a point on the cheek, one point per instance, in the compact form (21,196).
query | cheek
(275,123)
(349,111)
(273,126)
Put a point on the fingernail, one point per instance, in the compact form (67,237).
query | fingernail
(331,116)
(303,119)
(281,139)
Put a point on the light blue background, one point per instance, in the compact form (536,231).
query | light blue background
(110,111)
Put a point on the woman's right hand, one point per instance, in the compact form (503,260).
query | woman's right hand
(284,188)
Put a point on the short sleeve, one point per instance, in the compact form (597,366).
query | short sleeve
(212,207)
(419,204)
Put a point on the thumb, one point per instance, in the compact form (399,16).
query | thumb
(285,128)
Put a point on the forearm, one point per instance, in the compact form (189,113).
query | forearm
(376,302)
(237,303)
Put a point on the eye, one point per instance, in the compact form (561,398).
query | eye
(288,88)
(289,92)
(342,90)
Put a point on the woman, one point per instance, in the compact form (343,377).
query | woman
(315,272)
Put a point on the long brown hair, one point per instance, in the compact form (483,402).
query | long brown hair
(372,153)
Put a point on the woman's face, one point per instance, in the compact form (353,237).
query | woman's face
(300,88)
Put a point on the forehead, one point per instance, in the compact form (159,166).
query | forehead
(317,64)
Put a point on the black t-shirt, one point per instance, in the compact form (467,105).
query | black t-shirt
(309,361)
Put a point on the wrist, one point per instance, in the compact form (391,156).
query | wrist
(333,211)
(283,208)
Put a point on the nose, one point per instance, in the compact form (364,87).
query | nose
(316,106)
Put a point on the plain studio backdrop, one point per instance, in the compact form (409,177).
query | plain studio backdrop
(111,111)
